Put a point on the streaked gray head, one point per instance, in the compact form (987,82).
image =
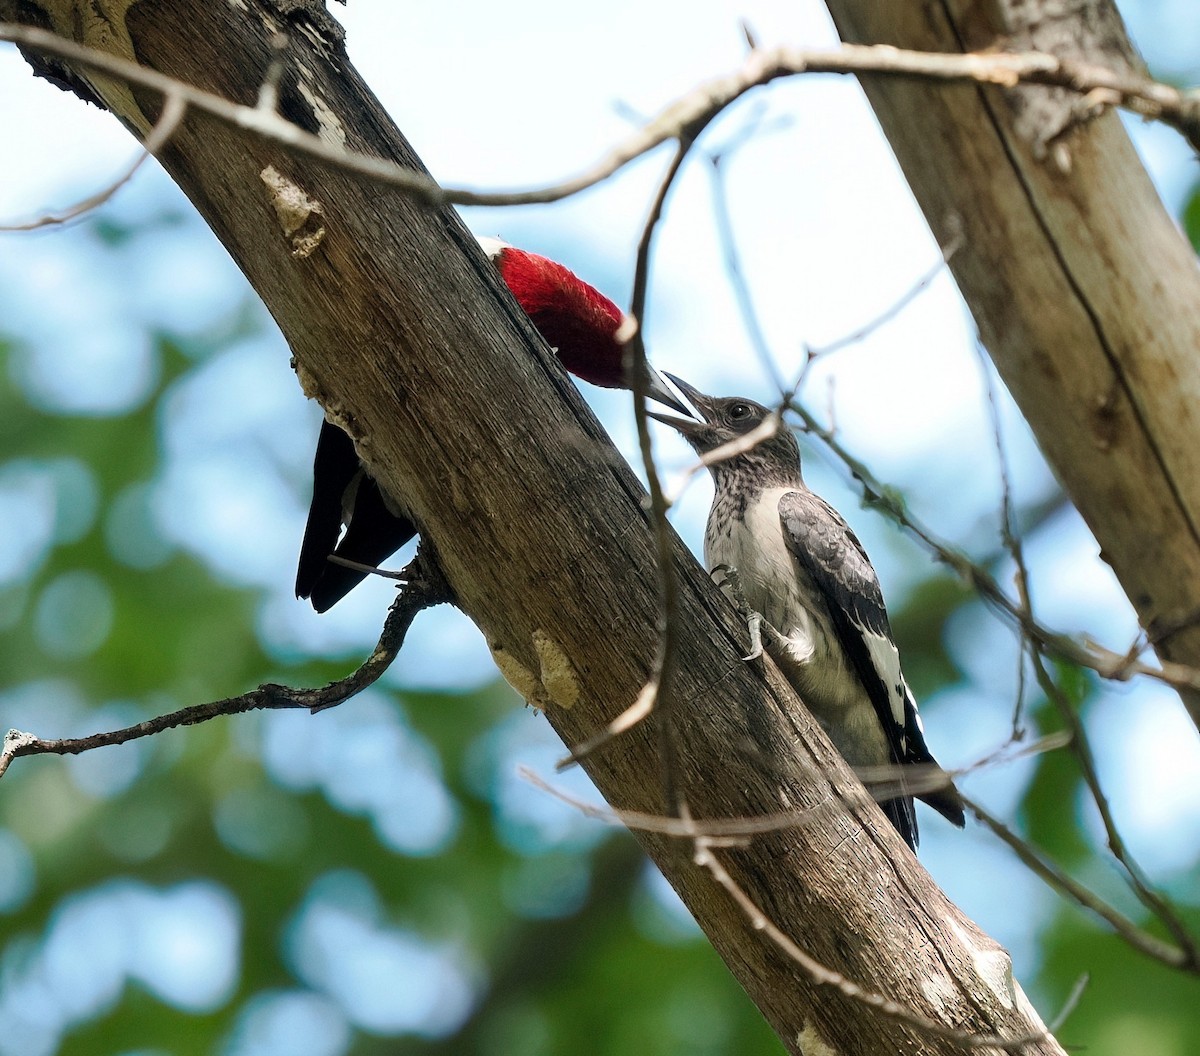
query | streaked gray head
(771,461)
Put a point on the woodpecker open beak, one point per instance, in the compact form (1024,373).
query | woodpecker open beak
(697,420)
(657,389)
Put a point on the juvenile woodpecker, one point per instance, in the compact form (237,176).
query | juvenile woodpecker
(575,319)
(804,571)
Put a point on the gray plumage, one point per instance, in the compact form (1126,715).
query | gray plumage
(802,568)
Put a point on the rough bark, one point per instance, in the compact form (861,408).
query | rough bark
(1086,294)
(398,325)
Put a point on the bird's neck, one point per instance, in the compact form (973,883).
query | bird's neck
(746,482)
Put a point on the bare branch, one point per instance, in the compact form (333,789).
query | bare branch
(425,588)
(175,106)
(733,266)
(1009,534)
(731,829)
(1082,750)
(1052,875)
(711,834)
(825,976)
(656,691)
(680,120)
(1105,662)
(731,449)
(894,309)
(1064,1013)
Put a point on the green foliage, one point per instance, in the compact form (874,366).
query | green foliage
(1191,217)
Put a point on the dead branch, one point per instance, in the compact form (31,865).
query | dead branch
(682,119)
(424,588)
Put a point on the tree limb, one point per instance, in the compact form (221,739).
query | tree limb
(1086,295)
(424,588)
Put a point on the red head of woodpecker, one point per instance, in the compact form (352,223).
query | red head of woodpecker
(575,319)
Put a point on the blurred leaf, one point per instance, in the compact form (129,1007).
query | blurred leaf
(1191,217)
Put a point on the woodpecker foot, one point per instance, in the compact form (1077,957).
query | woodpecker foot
(732,588)
(754,622)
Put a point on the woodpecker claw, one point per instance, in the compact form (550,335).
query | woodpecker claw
(754,624)
(732,588)
(724,570)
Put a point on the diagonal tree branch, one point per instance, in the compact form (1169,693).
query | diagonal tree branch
(1087,296)
(682,119)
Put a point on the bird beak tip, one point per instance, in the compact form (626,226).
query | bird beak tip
(684,426)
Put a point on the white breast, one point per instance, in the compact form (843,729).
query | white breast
(774,585)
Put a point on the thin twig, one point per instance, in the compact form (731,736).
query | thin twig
(174,107)
(1070,1004)
(732,829)
(709,835)
(268,90)
(739,445)
(1053,876)
(733,267)
(1010,535)
(1082,750)
(655,693)
(1011,751)
(371,570)
(425,588)
(1105,662)
(678,121)
(823,975)
(957,241)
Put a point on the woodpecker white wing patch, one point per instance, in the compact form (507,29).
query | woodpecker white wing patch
(885,658)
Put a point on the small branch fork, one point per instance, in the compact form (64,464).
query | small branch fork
(1182,957)
(424,587)
(173,110)
(681,120)
(655,693)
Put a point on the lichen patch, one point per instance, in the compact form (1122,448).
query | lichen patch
(558,673)
(810,1043)
(300,216)
(517,675)
(993,966)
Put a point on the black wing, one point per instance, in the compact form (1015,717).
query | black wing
(825,547)
(373,532)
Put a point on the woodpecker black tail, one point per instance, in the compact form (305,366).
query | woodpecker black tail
(343,493)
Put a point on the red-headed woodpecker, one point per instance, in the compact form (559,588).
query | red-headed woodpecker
(801,568)
(576,320)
